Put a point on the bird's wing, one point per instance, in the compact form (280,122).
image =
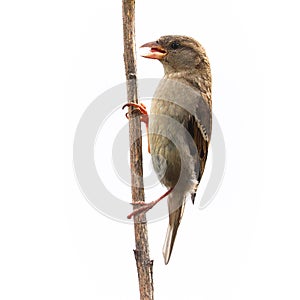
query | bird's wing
(202,147)
(199,125)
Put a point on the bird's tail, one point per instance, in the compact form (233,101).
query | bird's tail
(176,205)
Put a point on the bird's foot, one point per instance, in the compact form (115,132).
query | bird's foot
(144,207)
(141,108)
(144,116)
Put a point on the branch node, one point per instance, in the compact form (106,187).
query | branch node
(132,76)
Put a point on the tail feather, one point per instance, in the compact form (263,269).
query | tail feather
(176,209)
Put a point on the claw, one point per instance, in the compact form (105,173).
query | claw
(141,107)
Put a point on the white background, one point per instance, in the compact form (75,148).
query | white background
(56,57)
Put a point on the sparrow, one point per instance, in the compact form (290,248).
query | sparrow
(179,124)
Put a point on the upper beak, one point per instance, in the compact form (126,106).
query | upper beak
(153,50)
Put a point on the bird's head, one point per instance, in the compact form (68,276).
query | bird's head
(177,53)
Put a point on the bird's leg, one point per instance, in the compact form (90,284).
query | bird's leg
(147,206)
(144,117)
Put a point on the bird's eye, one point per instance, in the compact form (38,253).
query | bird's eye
(175,45)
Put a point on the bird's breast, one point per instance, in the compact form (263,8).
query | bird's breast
(168,142)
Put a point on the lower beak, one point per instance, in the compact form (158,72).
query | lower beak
(153,50)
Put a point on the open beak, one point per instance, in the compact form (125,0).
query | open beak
(153,50)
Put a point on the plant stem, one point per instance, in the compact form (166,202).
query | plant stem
(141,253)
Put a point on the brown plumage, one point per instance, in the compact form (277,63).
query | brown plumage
(180,122)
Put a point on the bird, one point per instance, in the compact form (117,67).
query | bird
(179,124)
